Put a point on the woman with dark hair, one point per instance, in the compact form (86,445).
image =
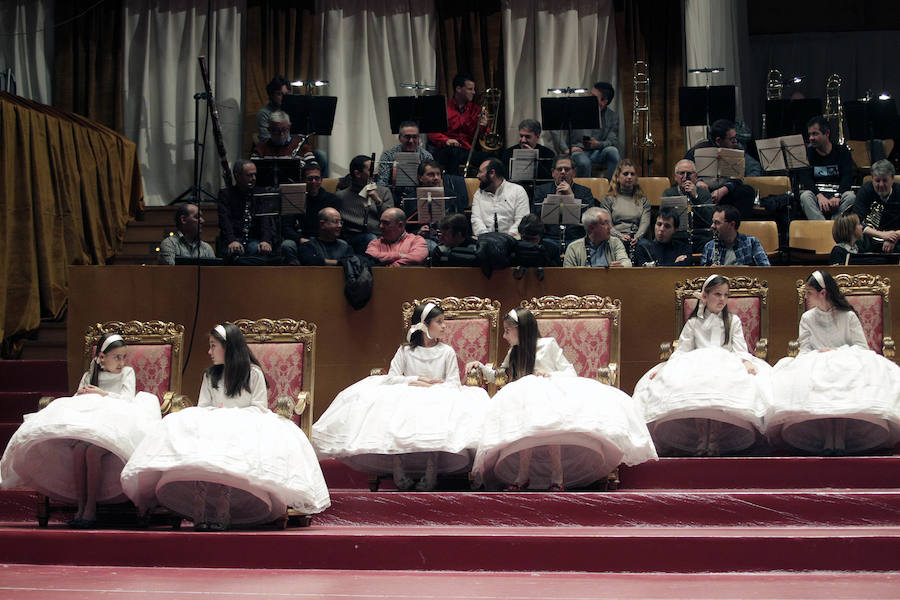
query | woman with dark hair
(837,396)
(74,449)
(710,397)
(229,459)
(626,203)
(548,428)
(417,421)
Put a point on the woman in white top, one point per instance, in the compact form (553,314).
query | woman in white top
(416,421)
(229,459)
(548,428)
(711,396)
(74,449)
(837,396)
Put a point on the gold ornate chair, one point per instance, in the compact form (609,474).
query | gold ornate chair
(870,295)
(155,352)
(285,349)
(587,328)
(748,300)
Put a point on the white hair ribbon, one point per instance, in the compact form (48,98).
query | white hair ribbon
(701,305)
(513,316)
(421,326)
(220,329)
(113,338)
(817,275)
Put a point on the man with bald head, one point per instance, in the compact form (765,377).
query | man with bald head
(327,249)
(396,247)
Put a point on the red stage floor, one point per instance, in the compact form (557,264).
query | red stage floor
(88,583)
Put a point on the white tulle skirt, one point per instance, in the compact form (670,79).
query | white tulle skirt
(707,383)
(265,459)
(850,383)
(40,453)
(596,426)
(376,419)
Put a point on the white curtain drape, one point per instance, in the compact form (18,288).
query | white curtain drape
(371,47)
(163,39)
(549,44)
(26,47)
(715,34)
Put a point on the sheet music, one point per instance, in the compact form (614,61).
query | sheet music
(782,153)
(293,199)
(680,205)
(431,201)
(406,169)
(523,165)
(555,205)
(716,163)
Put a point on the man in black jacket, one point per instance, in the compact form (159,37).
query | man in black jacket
(563,174)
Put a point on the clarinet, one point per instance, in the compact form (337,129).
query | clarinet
(247,220)
(631,244)
(715,255)
(368,201)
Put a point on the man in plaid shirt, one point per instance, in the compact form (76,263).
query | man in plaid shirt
(731,247)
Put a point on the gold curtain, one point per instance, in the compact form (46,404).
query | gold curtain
(69,187)
(282,39)
(651,30)
(88,61)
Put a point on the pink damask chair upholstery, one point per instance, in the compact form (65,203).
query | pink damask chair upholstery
(471,324)
(870,295)
(285,349)
(748,299)
(586,328)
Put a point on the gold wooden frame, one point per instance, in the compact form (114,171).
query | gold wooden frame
(739,286)
(580,307)
(858,284)
(146,333)
(263,331)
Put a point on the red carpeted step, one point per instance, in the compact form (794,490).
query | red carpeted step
(47,376)
(683,508)
(18,506)
(15,404)
(588,549)
(6,432)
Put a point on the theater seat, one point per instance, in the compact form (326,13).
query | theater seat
(766,232)
(654,187)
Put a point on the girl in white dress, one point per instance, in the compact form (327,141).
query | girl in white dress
(74,449)
(711,396)
(416,421)
(837,396)
(548,428)
(229,459)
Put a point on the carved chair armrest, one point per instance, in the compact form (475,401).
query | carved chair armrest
(501,378)
(887,347)
(666,349)
(173,402)
(378,371)
(762,349)
(301,403)
(284,406)
(474,377)
(793,348)
(608,374)
(44,401)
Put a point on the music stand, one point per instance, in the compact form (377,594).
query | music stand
(570,113)
(788,117)
(293,199)
(871,119)
(716,163)
(782,153)
(271,171)
(431,203)
(430,112)
(310,115)
(559,210)
(703,105)
(523,164)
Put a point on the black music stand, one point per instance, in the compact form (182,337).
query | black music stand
(704,105)
(788,117)
(272,171)
(871,119)
(570,113)
(310,115)
(430,112)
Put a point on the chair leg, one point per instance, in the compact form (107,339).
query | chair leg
(43,510)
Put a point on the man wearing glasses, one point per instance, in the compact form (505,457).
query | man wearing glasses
(409,142)
(686,185)
(303,228)
(723,134)
(563,173)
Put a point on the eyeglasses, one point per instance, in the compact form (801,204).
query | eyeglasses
(685,173)
(280,129)
(563,169)
(335,221)
(410,136)
(314,178)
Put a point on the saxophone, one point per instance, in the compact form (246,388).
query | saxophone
(873,219)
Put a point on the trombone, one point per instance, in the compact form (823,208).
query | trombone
(641,136)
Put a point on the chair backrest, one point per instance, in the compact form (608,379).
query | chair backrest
(812,235)
(585,327)
(769,185)
(860,153)
(765,231)
(155,352)
(471,187)
(285,349)
(471,325)
(654,187)
(598,185)
(329,184)
(748,299)
(870,296)
(868,178)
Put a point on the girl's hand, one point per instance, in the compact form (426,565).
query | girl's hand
(431,381)
(91,389)
(750,368)
(542,373)
(825,349)
(472,364)
(419,383)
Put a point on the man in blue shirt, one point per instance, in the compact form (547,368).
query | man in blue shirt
(730,247)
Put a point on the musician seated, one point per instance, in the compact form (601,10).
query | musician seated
(731,247)
(597,248)
(455,192)
(847,231)
(463,118)
(498,205)
(302,228)
(663,250)
(280,141)
(455,248)
(186,242)
(878,206)
(245,227)
(326,248)
(699,196)
(594,146)
(529,138)
(627,204)
(277,89)
(725,190)
(826,185)
(361,204)
(563,173)
(396,247)
(409,142)
(533,250)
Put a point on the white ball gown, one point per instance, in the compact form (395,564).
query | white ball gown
(705,380)
(382,416)
(850,382)
(596,426)
(39,454)
(236,442)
